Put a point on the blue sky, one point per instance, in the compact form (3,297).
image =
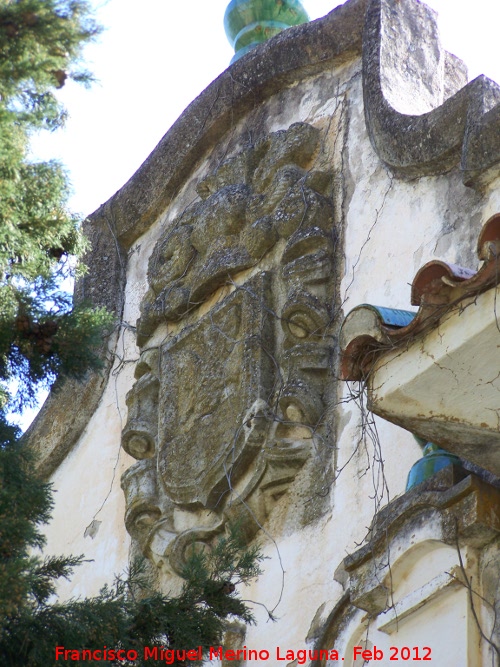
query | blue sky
(156,56)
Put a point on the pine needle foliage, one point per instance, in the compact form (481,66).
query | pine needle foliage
(127,614)
(41,336)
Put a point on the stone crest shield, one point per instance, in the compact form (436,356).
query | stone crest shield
(219,377)
(235,348)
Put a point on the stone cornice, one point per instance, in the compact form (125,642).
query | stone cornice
(438,287)
(295,54)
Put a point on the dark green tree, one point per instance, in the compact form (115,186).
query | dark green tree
(126,614)
(43,337)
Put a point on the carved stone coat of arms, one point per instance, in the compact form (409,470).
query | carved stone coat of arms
(236,346)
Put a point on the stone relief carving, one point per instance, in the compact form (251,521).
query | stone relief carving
(224,411)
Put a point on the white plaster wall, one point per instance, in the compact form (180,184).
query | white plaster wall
(444,627)
(87,484)
(87,489)
(391,228)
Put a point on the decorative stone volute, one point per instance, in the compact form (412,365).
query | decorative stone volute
(248,23)
(228,407)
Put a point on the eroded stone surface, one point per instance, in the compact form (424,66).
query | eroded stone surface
(234,225)
(431,135)
(227,408)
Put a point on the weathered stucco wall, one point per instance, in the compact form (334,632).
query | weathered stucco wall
(242,243)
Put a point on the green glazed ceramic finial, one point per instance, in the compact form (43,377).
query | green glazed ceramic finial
(434,459)
(250,22)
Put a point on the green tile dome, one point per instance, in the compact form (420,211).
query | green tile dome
(250,22)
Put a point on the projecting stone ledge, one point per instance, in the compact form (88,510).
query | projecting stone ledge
(443,385)
(434,376)
(461,508)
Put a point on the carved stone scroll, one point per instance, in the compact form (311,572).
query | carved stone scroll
(225,412)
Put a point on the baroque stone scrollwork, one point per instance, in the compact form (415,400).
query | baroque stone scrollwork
(229,396)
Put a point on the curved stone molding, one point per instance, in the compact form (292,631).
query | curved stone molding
(300,403)
(423,549)
(462,128)
(194,539)
(293,55)
(308,257)
(466,124)
(296,53)
(140,434)
(139,484)
(304,316)
(464,507)
(66,412)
